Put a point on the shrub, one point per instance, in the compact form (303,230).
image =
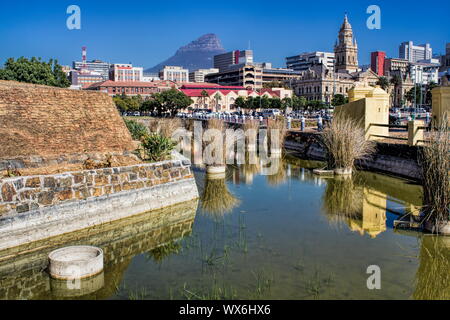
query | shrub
(344,140)
(435,174)
(137,130)
(165,126)
(157,147)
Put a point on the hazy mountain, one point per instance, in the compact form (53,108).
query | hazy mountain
(196,55)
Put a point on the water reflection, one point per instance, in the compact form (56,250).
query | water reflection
(433,275)
(22,269)
(347,200)
(216,198)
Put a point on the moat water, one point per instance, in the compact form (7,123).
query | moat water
(288,235)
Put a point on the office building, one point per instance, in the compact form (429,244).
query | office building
(199,75)
(304,61)
(126,73)
(174,73)
(414,53)
(229,59)
(377,60)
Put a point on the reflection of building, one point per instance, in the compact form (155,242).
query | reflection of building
(373,217)
(23,277)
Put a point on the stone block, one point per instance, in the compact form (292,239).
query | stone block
(8,192)
(34,182)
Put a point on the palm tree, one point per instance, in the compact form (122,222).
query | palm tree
(383,83)
(204,95)
(218,98)
(395,81)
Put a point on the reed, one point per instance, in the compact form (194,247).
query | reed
(435,162)
(277,125)
(165,126)
(345,142)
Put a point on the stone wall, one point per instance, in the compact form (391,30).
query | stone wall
(38,207)
(42,126)
(393,159)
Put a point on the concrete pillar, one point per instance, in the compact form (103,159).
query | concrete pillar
(440,105)
(415,135)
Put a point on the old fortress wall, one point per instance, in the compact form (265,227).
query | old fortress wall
(44,126)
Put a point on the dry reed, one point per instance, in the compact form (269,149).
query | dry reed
(435,162)
(345,142)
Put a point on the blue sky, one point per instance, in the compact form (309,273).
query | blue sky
(147,32)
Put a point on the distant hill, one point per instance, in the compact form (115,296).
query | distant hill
(196,55)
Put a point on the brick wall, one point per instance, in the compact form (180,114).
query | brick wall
(24,194)
(47,122)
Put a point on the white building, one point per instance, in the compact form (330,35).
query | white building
(425,71)
(306,60)
(126,72)
(174,73)
(199,75)
(414,53)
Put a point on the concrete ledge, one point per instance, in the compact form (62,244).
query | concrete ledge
(68,217)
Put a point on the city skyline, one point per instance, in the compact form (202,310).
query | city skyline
(148,33)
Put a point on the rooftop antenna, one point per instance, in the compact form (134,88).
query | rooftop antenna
(249,45)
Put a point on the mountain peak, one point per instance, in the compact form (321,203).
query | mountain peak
(207,42)
(198,54)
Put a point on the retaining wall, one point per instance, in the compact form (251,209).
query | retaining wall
(393,159)
(38,207)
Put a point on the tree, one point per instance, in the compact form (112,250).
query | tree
(396,80)
(35,71)
(416,93)
(339,100)
(217,98)
(299,103)
(125,103)
(275,103)
(240,103)
(428,96)
(170,101)
(204,95)
(383,83)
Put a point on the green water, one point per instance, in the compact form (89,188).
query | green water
(291,235)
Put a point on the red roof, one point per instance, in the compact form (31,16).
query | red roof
(140,84)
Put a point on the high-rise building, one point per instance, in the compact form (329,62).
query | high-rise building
(413,53)
(96,66)
(445,59)
(174,73)
(199,75)
(306,60)
(225,60)
(377,60)
(125,72)
(346,49)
